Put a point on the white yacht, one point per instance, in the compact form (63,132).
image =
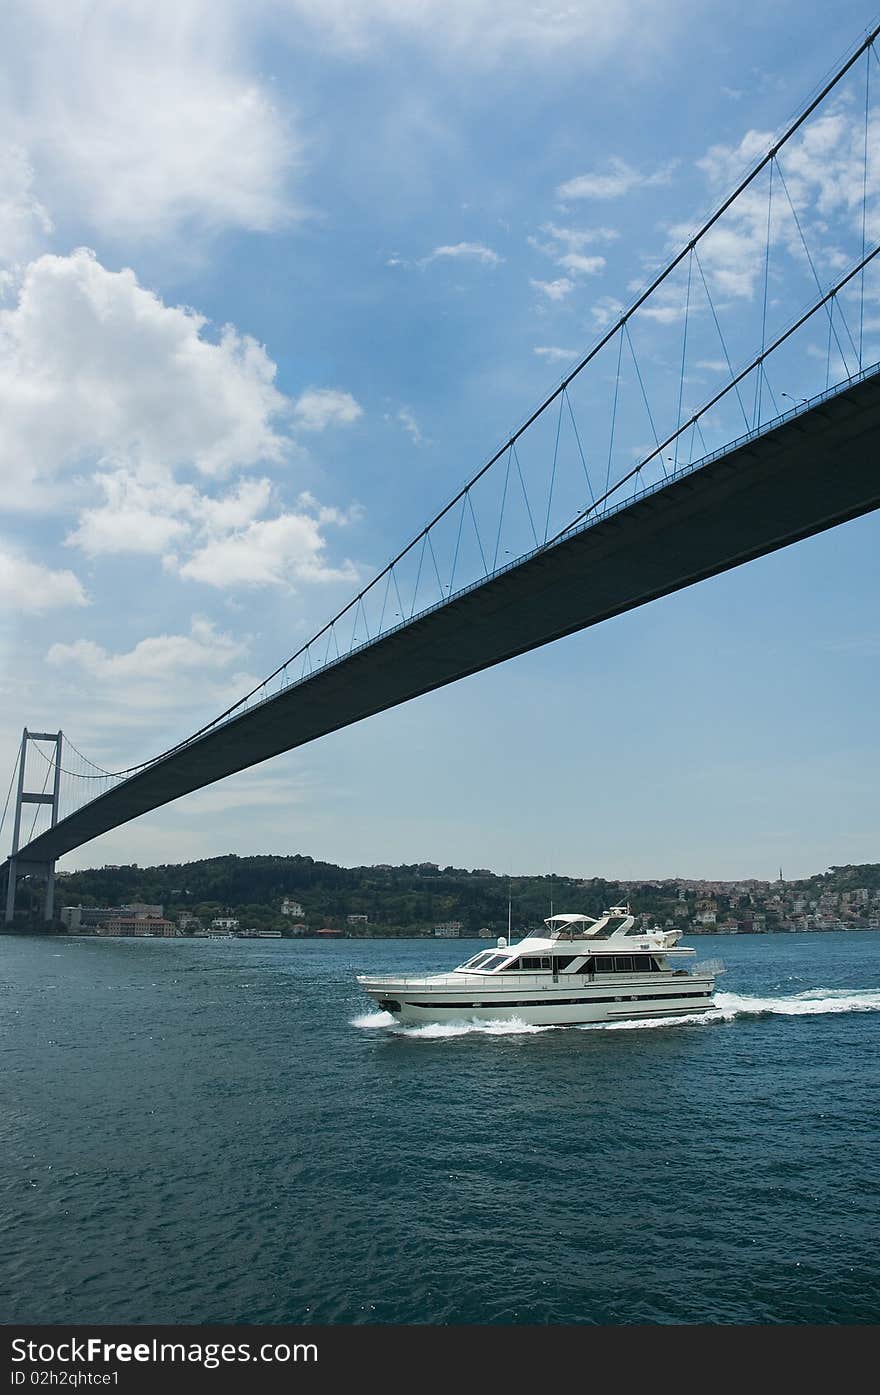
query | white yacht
(577,969)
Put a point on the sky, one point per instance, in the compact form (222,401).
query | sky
(276,278)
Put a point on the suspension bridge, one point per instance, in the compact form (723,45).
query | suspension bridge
(630,481)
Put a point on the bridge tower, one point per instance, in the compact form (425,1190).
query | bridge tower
(17,866)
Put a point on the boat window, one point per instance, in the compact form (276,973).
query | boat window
(603,964)
(512,964)
(623,963)
(477,960)
(588,967)
(562,961)
(642,962)
(536,961)
(492,962)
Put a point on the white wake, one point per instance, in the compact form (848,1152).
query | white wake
(813,1002)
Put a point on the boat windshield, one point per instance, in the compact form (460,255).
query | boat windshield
(477,961)
(493,962)
(543,932)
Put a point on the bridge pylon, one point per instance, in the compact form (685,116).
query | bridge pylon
(26,867)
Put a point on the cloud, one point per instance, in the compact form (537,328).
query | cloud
(612,183)
(606,310)
(824,174)
(96,371)
(565,246)
(95,367)
(134,516)
(554,355)
(146,119)
(471,251)
(157,659)
(554,290)
(219,540)
(24,222)
(561,239)
(30,588)
(410,425)
(578,264)
(319,408)
(483,33)
(268,552)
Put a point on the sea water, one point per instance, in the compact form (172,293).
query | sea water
(225,1131)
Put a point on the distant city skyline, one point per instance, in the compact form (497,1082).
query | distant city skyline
(253,334)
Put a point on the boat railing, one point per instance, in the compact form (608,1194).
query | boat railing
(503,980)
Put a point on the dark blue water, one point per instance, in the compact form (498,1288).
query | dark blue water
(198,1131)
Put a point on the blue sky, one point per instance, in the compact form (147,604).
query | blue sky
(276,279)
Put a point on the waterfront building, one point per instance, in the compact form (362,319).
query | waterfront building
(449,930)
(138,926)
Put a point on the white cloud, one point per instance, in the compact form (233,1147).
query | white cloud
(319,408)
(725,165)
(268,552)
(97,371)
(30,588)
(554,355)
(236,509)
(134,516)
(95,367)
(471,251)
(156,659)
(148,118)
(576,239)
(150,516)
(484,33)
(410,425)
(219,540)
(565,246)
(606,310)
(554,290)
(578,264)
(670,303)
(613,182)
(824,175)
(24,222)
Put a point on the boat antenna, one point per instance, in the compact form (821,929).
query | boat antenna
(509,909)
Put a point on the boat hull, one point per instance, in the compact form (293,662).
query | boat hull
(560,1005)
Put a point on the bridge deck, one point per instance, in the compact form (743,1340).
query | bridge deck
(813,471)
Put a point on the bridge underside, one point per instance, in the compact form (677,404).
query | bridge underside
(814,471)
